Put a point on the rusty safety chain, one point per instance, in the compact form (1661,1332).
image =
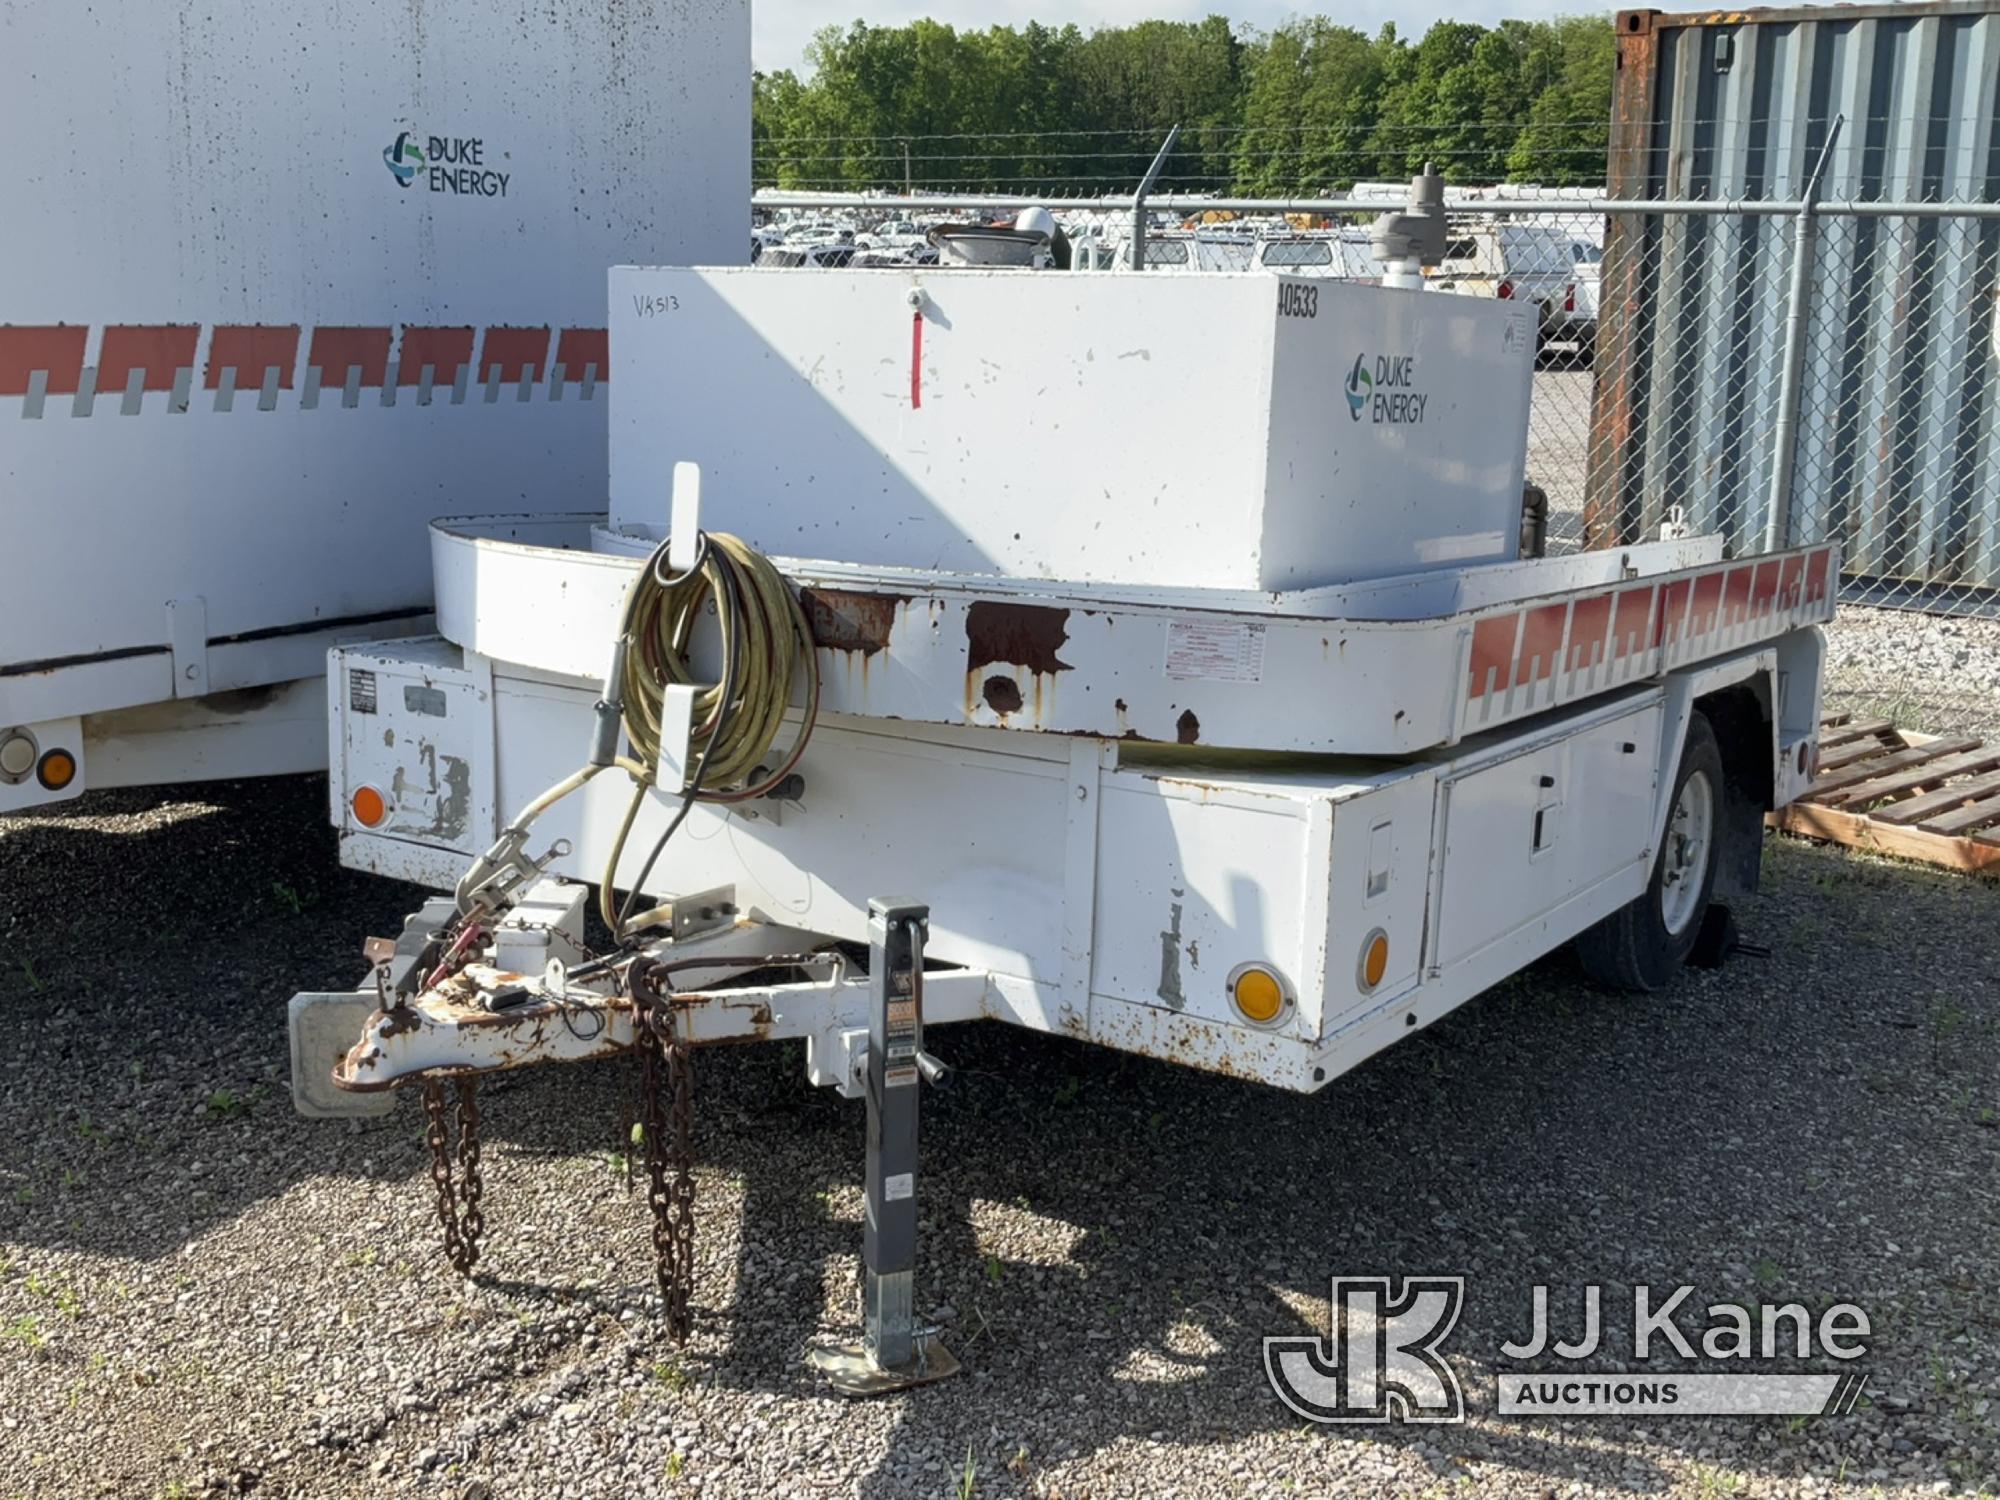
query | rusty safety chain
(667,1095)
(459,1214)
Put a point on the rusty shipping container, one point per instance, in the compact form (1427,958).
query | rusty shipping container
(1898,450)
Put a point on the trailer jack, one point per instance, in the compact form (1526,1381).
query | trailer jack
(894,1352)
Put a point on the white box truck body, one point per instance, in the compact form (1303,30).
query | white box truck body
(280,285)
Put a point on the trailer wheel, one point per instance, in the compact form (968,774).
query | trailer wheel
(1642,945)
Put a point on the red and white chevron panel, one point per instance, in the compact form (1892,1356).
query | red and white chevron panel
(262,366)
(1524,659)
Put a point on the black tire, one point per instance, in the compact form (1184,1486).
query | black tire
(1632,949)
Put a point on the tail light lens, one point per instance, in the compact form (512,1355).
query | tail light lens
(1569,298)
(1506,290)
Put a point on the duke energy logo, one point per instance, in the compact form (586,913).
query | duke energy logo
(1359,384)
(454,164)
(1384,390)
(404,159)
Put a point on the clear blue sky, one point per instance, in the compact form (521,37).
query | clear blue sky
(781,28)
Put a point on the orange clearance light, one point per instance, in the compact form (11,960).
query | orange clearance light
(57,769)
(369,808)
(1374,959)
(1257,993)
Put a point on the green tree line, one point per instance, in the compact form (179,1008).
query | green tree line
(1309,107)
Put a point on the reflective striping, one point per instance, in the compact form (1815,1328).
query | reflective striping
(1589,624)
(1632,621)
(157,352)
(1764,590)
(335,351)
(251,350)
(1791,584)
(247,365)
(56,352)
(444,351)
(514,354)
(581,349)
(1706,607)
(1541,642)
(1492,653)
(1525,660)
(1672,615)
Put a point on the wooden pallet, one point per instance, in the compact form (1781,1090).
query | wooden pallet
(1934,798)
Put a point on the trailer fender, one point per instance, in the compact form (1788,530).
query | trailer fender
(1735,695)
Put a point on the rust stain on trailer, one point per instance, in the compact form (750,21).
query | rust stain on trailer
(1002,695)
(1025,635)
(1191,1041)
(1018,636)
(844,620)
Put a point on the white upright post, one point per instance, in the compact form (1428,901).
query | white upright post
(684,525)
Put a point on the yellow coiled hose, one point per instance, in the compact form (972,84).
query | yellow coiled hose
(767,646)
(766,651)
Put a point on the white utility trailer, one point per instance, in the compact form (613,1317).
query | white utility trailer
(1172,649)
(279,285)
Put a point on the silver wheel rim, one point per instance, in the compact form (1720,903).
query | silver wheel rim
(1684,861)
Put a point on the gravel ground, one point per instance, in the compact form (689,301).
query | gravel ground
(200,1291)
(1926,672)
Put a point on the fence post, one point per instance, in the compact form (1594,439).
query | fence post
(1785,441)
(1139,199)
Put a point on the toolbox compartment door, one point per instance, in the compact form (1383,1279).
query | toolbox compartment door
(1524,836)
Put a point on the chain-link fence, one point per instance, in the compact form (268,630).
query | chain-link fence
(1777,372)
(1788,373)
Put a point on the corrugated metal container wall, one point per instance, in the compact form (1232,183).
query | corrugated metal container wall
(1899,420)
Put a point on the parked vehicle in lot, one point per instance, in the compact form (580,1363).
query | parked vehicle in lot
(1531,264)
(819,257)
(239,378)
(1589,272)
(1342,253)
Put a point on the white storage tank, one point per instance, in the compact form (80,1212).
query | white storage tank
(1225,431)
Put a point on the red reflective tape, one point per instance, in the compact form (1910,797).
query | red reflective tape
(445,350)
(1541,640)
(1764,591)
(1736,600)
(577,348)
(335,351)
(159,350)
(1588,624)
(916,359)
(251,349)
(1707,601)
(514,354)
(1492,653)
(1793,582)
(57,350)
(1628,628)
(1816,574)
(1673,602)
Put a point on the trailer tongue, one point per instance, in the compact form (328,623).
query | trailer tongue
(1107,660)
